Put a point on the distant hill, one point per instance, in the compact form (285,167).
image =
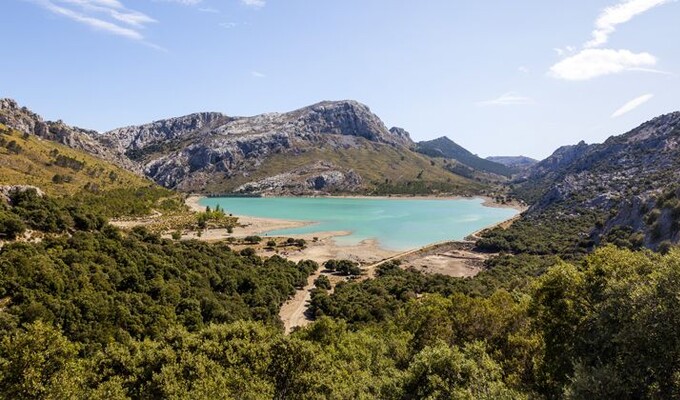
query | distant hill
(517,163)
(629,182)
(444,147)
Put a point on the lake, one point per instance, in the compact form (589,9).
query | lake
(397,224)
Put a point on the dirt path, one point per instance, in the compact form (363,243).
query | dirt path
(293,312)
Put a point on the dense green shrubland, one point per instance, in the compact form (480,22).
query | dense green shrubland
(94,312)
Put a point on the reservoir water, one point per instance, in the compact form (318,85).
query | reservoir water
(397,224)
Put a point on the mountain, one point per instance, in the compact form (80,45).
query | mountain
(336,146)
(517,163)
(444,147)
(630,182)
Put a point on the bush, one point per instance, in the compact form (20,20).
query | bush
(252,239)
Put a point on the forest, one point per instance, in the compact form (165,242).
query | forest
(94,312)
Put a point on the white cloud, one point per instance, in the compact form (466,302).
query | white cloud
(632,105)
(256,74)
(523,69)
(209,10)
(228,25)
(254,3)
(616,15)
(113,8)
(592,63)
(109,16)
(508,99)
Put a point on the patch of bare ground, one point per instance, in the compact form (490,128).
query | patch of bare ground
(457,259)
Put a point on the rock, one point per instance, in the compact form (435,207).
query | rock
(318,178)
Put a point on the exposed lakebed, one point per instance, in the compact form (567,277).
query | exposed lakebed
(396,223)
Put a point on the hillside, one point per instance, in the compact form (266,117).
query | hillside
(57,169)
(627,186)
(444,147)
(24,120)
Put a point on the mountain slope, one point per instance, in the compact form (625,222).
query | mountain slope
(629,182)
(26,159)
(446,148)
(23,120)
(327,147)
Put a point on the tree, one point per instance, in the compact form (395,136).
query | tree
(35,361)
(322,282)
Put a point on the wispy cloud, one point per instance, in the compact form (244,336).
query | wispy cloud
(183,2)
(616,15)
(592,63)
(209,10)
(228,25)
(254,3)
(256,74)
(508,99)
(632,105)
(109,16)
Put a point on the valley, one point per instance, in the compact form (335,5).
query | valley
(134,255)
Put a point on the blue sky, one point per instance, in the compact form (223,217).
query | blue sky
(498,77)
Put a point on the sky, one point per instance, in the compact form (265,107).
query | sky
(498,77)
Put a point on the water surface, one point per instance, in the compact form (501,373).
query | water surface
(397,224)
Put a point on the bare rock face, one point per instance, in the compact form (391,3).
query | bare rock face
(319,178)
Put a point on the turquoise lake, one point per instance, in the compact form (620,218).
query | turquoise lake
(397,224)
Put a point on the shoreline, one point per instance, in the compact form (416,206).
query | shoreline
(325,246)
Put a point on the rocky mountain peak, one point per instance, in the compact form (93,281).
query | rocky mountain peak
(346,117)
